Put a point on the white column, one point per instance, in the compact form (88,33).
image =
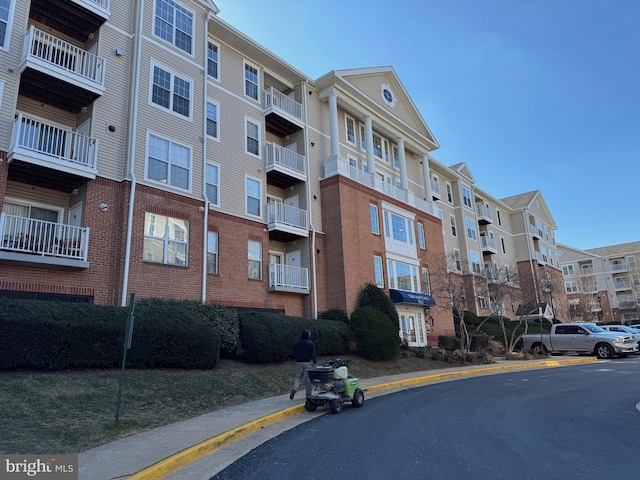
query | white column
(404,182)
(368,131)
(333,124)
(427,177)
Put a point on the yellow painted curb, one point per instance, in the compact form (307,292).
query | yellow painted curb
(194,453)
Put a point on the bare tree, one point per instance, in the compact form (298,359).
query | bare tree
(585,304)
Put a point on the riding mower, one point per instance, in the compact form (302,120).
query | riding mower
(333,386)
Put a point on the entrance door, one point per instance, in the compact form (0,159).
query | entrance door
(275,269)
(413,330)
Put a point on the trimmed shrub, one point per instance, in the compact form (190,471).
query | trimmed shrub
(335,314)
(269,337)
(448,343)
(373,296)
(377,335)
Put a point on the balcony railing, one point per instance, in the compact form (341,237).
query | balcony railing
(484,213)
(618,266)
(102,4)
(62,57)
(488,243)
(279,101)
(37,139)
(284,160)
(47,239)
(287,218)
(535,231)
(286,277)
(622,284)
(627,303)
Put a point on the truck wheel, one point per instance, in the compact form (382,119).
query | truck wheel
(358,398)
(539,349)
(336,405)
(604,351)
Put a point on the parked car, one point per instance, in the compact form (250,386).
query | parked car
(627,330)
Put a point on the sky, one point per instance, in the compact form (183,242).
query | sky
(530,94)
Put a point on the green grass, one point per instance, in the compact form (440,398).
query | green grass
(72,411)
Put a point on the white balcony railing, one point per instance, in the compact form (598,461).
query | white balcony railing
(283,159)
(618,266)
(488,243)
(484,212)
(278,100)
(36,138)
(45,49)
(288,277)
(37,237)
(287,217)
(622,284)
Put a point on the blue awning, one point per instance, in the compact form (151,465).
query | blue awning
(414,298)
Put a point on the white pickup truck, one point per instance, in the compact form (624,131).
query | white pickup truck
(581,338)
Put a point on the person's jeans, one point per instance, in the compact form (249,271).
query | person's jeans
(302,376)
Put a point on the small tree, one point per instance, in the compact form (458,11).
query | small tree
(374,297)
(504,289)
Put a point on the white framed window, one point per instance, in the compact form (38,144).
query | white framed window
(449,192)
(212,252)
(213,60)
(212,180)
(454,228)
(253,135)
(213,114)
(568,270)
(426,282)
(385,150)
(174,24)
(373,215)
(456,260)
(251,81)
(631,259)
(421,239)
(466,195)
(6,14)
(474,257)
(504,250)
(166,239)
(377,268)
(363,137)
(398,228)
(170,92)
(471,228)
(396,157)
(403,276)
(253,200)
(168,162)
(377,146)
(351,130)
(255,260)
(571,287)
(480,295)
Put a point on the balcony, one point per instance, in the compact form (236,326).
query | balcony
(37,148)
(488,245)
(37,242)
(59,73)
(622,284)
(76,18)
(283,114)
(286,223)
(286,278)
(627,303)
(484,214)
(284,167)
(618,266)
(536,232)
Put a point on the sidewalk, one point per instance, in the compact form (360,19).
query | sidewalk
(157,453)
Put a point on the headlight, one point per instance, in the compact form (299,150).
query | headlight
(618,340)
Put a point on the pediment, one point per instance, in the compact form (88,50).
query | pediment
(463,170)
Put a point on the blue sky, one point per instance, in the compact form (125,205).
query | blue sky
(530,94)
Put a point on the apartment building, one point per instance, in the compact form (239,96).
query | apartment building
(602,284)
(151,148)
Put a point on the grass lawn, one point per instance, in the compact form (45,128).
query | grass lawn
(72,411)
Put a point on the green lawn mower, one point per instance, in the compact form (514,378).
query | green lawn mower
(333,386)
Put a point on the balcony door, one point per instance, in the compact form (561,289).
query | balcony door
(30,227)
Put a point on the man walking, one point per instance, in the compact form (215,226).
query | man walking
(304,353)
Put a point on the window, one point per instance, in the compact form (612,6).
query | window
(441,217)
(351,131)
(253,189)
(396,157)
(6,7)
(212,120)
(454,229)
(471,228)
(456,260)
(403,276)
(426,282)
(212,183)
(174,24)
(475,262)
(377,268)
(631,261)
(251,81)
(212,252)
(363,138)
(571,287)
(421,240)
(568,270)
(480,295)
(373,214)
(168,162)
(255,260)
(165,239)
(213,60)
(377,145)
(398,228)
(449,193)
(466,195)
(385,147)
(504,250)
(252,132)
(171,92)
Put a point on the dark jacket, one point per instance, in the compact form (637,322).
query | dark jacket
(304,350)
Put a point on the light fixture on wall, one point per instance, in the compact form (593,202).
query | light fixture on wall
(104,207)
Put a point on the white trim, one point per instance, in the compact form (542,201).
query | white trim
(209,77)
(155,63)
(167,186)
(246,196)
(217,203)
(246,135)
(217,104)
(193,28)
(246,63)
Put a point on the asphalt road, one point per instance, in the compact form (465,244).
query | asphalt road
(578,422)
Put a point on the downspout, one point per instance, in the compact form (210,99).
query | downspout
(533,276)
(205,240)
(313,229)
(133,127)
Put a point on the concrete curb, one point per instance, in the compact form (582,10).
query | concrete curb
(200,450)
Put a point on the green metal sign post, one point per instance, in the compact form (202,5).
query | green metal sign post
(127,345)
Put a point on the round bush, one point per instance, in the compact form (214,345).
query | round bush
(378,338)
